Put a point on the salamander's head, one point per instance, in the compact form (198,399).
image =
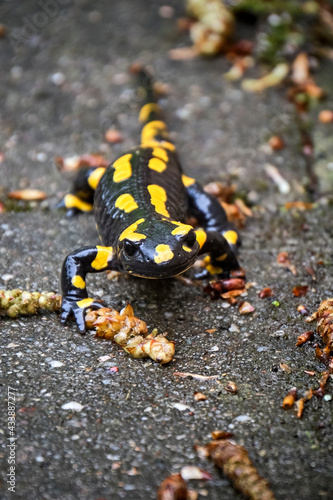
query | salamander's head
(158,249)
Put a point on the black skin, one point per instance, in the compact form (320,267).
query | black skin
(149,237)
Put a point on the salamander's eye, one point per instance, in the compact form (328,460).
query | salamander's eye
(130,248)
(190,239)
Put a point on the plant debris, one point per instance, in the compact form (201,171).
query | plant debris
(16,302)
(305,337)
(234,460)
(73,163)
(124,328)
(189,472)
(300,205)
(221,434)
(325,116)
(284,261)
(324,316)
(173,488)
(290,399)
(265,292)
(231,387)
(198,396)
(275,77)
(214,27)
(300,291)
(28,194)
(113,136)
(276,143)
(303,310)
(194,375)
(274,174)
(245,308)
(130,333)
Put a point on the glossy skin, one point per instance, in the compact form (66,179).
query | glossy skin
(141,203)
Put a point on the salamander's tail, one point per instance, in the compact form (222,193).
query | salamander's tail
(150,117)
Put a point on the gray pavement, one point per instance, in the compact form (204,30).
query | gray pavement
(129,435)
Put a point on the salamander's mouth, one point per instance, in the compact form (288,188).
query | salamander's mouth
(160,271)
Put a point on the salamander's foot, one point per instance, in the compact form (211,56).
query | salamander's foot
(77,308)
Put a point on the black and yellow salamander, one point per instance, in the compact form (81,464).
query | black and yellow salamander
(141,202)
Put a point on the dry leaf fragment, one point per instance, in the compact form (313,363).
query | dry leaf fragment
(305,337)
(75,162)
(245,308)
(198,396)
(299,407)
(325,116)
(233,293)
(283,260)
(276,143)
(300,291)
(275,77)
(221,435)
(286,368)
(194,375)
(28,194)
(300,69)
(192,472)
(182,53)
(234,460)
(290,399)
(303,310)
(113,135)
(231,387)
(300,205)
(265,292)
(172,488)
(274,174)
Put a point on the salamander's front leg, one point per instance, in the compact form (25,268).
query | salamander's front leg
(75,267)
(221,258)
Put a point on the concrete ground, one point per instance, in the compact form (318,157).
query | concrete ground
(63,83)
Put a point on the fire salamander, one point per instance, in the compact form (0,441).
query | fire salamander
(141,202)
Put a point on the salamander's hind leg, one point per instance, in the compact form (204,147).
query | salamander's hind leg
(75,299)
(81,197)
(217,238)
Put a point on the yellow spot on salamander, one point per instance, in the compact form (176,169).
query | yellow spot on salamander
(210,268)
(147,109)
(130,234)
(201,237)
(72,201)
(85,303)
(150,143)
(187,249)
(104,254)
(160,153)
(78,282)
(158,197)
(153,128)
(163,254)
(126,202)
(95,177)
(231,237)
(181,229)
(222,257)
(123,168)
(157,164)
(187,181)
